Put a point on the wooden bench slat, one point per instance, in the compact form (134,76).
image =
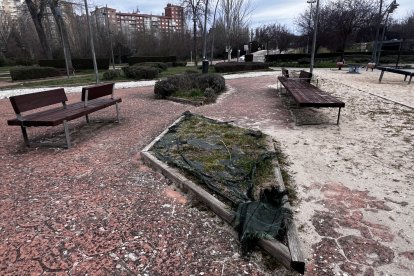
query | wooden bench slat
(23,103)
(97,91)
(307,95)
(91,101)
(56,116)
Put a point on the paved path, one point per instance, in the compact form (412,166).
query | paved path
(97,209)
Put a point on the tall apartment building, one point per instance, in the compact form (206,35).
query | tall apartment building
(11,7)
(171,21)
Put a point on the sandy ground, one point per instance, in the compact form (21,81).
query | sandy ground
(97,209)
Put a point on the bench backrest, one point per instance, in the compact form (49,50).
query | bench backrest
(32,101)
(97,91)
(306,76)
(285,72)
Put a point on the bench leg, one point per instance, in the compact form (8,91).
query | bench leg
(117,112)
(25,137)
(405,78)
(382,74)
(87,118)
(409,81)
(65,125)
(339,114)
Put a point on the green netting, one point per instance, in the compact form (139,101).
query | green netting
(235,164)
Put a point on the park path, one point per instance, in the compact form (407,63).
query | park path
(97,209)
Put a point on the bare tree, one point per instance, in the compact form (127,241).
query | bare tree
(5,29)
(61,27)
(194,8)
(339,20)
(37,12)
(235,15)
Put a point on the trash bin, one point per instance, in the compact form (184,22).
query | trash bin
(205,66)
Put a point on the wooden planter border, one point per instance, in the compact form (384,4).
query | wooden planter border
(290,256)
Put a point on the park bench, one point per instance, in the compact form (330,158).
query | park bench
(93,98)
(307,95)
(396,71)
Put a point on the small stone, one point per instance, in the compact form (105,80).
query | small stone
(132,257)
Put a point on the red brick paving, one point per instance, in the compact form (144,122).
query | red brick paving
(96,209)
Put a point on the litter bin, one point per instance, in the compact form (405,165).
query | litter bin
(205,66)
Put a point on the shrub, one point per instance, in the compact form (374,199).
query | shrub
(33,72)
(225,67)
(303,61)
(111,74)
(78,63)
(248,58)
(180,64)
(140,72)
(214,81)
(161,65)
(193,84)
(163,89)
(210,94)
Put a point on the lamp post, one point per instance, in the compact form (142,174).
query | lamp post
(65,53)
(205,60)
(315,30)
(390,9)
(213,31)
(95,66)
(309,25)
(109,36)
(195,39)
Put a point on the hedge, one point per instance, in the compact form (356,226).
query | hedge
(160,65)
(140,72)
(78,63)
(134,60)
(33,72)
(248,58)
(225,67)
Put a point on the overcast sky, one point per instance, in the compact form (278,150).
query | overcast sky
(264,11)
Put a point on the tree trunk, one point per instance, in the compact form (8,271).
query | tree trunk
(195,42)
(37,16)
(63,34)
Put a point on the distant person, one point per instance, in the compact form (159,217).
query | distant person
(340,63)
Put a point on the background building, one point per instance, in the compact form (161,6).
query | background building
(170,21)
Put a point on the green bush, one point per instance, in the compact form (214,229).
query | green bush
(187,84)
(33,72)
(163,89)
(225,67)
(140,72)
(213,81)
(111,74)
(161,65)
(248,58)
(210,95)
(180,63)
(78,63)
(303,61)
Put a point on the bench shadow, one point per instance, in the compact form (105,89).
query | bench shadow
(80,132)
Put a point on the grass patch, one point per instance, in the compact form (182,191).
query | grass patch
(206,149)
